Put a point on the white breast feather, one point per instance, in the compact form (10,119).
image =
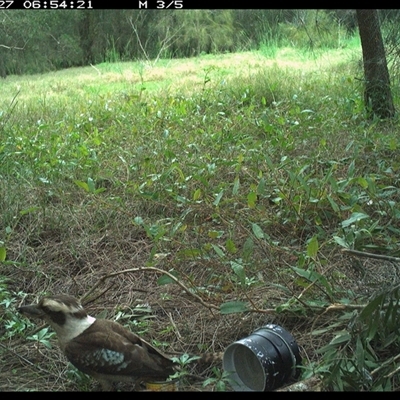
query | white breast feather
(72,328)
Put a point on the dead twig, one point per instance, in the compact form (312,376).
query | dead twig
(148,269)
(101,294)
(385,364)
(12,47)
(178,335)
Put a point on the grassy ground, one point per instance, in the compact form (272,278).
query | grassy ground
(241,175)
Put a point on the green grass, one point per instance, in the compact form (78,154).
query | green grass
(237,171)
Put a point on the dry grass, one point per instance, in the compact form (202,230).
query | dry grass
(177,318)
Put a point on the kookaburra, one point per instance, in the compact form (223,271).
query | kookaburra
(100,348)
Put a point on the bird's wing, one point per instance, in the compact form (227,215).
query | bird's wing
(108,348)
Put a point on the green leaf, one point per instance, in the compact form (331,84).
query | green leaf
(236,185)
(341,337)
(3,254)
(355,217)
(91,185)
(248,248)
(219,252)
(372,306)
(218,198)
(373,327)
(350,171)
(138,221)
(333,204)
(28,210)
(312,247)
(197,194)
(360,353)
(313,276)
(238,269)
(165,279)
(251,199)
(230,246)
(303,273)
(261,187)
(232,307)
(362,182)
(258,232)
(82,185)
(340,241)
(189,253)
(215,234)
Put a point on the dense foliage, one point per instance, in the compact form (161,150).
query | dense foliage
(44,40)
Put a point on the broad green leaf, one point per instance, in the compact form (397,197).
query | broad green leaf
(197,194)
(303,272)
(82,185)
(340,241)
(261,188)
(232,307)
(251,199)
(362,182)
(355,217)
(215,234)
(341,338)
(312,247)
(372,306)
(238,269)
(248,248)
(281,287)
(258,232)
(313,276)
(3,254)
(165,279)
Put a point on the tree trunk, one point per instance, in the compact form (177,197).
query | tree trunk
(377,93)
(87,36)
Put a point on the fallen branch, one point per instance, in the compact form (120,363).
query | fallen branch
(358,253)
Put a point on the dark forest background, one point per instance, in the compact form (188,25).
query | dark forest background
(47,40)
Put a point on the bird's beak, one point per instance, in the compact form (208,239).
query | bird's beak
(31,311)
